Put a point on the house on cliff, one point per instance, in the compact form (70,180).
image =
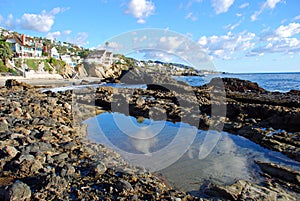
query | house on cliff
(25,46)
(102,57)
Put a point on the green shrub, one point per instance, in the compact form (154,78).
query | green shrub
(32,64)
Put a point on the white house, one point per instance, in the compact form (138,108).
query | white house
(68,60)
(24,46)
(100,57)
(54,53)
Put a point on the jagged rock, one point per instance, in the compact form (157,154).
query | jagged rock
(236,85)
(12,83)
(10,151)
(19,191)
(243,190)
(29,165)
(280,172)
(123,185)
(38,147)
(100,168)
(82,73)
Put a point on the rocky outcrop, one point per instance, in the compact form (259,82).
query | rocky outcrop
(82,73)
(243,190)
(43,150)
(45,156)
(110,72)
(270,119)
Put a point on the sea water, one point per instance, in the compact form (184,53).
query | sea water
(282,82)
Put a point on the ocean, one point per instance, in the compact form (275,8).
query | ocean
(282,82)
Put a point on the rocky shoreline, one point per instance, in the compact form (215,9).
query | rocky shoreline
(46,156)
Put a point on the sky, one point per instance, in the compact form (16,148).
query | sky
(236,35)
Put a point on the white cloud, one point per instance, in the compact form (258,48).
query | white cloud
(191,16)
(244,5)
(190,2)
(226,46)
(278,45)
(289,30)
(222,6)
(140,9)
(296,18)
(66,32)
(40,22)
(268,4)
(57,34)
(279,41)
(10,23)
(233,26)
(81,39)
(53,35)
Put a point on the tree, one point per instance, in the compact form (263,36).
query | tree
(5,51)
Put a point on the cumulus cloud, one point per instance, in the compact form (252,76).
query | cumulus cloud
(140,9)
(57,34)
(40,22)
(296,18)
(10,23)
(222,6)
(53,35)
(268,4)
(283,31)
(223,47)
(81,39)
(278,45)
(279,41)
(289,30)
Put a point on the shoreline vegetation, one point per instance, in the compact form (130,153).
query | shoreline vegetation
(46,156)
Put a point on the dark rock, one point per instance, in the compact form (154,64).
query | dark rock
(100,168)
(10,151)
(11,83)
(123,185)
(280,172)
(38,147)
(236,85)
(29,165)
(18,192)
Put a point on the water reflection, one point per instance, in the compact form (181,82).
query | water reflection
(182,153)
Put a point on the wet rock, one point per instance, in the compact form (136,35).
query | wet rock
(12,83)
(280,172)
(68,171)
(123,185)
(19,191)
(38,147)
(243,190)
(61,157)
(29,165)
(100,168)
(56,184)
(10,151)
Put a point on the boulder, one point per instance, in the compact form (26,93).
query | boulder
(19,191)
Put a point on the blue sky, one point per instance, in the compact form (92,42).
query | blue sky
(238,35)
